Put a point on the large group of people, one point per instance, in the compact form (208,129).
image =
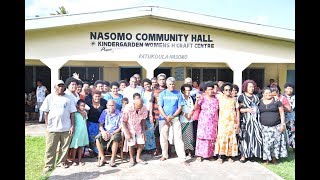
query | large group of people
(207,120)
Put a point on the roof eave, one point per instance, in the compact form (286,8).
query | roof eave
(162,13)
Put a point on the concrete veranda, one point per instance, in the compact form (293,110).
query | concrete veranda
(156,169)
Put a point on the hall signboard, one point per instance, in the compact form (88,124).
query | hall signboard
(121,39)
(107,41)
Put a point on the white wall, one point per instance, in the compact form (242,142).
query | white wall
(74,40)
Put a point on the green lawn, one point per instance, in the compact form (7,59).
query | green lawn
(35,149)
(34,157)
(285,167)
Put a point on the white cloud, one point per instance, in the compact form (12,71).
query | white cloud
(39,7)
(45,7)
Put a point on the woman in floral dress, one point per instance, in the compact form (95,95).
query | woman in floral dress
(228,124)
(208,121)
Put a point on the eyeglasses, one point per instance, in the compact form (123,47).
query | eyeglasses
(227,90)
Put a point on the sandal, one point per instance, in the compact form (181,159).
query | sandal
(230,160)
(163,159)
(156,153)
(242,160)
(185,163)
(142,162)
(65,165)
(131,164)
(101,163)
(113,165)
(274,162)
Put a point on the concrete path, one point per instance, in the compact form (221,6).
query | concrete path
(170,169)
(34,128)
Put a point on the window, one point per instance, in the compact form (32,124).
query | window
(29,82)
(44,74)
(127,73)
(257,75)
(90,74)
(291,76)
(64,73)
(93,74)
(166,71)
(194,73)
(82,71)
(210,74)
(32,73)
(225,74)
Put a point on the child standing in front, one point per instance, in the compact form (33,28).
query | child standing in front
(80,137)
(124,102)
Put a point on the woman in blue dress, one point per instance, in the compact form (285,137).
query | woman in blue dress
(150,144)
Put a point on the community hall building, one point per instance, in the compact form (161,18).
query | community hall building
(115,44)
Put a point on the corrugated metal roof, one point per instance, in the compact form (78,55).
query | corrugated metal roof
(161,13)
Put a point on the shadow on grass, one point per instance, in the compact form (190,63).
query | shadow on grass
(44,177)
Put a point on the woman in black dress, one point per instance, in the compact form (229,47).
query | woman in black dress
(250,143)
(272,119)
(97,104)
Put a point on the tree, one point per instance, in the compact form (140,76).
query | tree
(62,10)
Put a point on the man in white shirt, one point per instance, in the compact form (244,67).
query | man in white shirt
(58,109)
(41,95)
(131,89)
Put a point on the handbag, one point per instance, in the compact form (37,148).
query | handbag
(196,114)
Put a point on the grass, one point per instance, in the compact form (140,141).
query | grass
(34,158)
(285,167)
(35,149)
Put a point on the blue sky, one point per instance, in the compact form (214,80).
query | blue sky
(279,13)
